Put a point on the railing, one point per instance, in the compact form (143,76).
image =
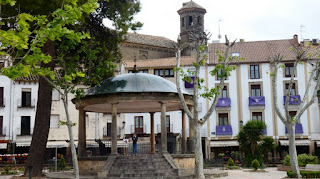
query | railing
(25,131)
(138,130)
(3,131)
(257,101)
(2,102)
(169,128)
(298,129)
(29,104)
(293,100)
(224,102)
(189,85)
(224,130)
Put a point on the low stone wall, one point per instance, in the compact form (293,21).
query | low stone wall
(91,165)
(185,161)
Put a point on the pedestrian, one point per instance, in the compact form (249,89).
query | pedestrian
(134,146)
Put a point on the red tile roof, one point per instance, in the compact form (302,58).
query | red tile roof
(149,40)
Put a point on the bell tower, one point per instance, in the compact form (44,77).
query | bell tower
(191,18)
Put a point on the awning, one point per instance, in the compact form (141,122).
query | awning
(23,144)
(227,143)
(318,143)
(304,142)
(3,145)
(58,144)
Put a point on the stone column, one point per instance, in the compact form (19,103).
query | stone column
(114,130)
(82,133)
(184,134)
(163,128)
(152,136)
(191,132)
(311,147)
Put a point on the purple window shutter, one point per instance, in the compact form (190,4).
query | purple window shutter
(294,99)
(224,102)
(298,129)
(257,101)
(224,130)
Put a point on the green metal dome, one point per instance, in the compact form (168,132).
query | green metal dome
(134,82)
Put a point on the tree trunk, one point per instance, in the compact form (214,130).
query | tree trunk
(73,148)
(42,121)
(198,151)
(293,150)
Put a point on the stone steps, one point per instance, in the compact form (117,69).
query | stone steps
(143,166)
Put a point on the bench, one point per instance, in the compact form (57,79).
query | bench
(312,167)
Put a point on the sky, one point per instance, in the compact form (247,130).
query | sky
(251,20)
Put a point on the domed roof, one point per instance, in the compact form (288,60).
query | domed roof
(134,82)
(191,6)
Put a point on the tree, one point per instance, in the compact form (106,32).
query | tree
(313,83)
(97,54)
(249,136)
(199,42)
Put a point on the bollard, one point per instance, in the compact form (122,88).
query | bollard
(30,172)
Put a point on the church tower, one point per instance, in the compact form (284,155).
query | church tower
(191,17)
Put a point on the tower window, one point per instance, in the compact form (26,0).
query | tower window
(199,20)
(182,21)
(190,21)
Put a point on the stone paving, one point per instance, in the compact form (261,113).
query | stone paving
(272,173)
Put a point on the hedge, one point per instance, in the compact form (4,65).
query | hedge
(304,174)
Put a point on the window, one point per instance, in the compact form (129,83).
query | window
(87,121)
(55,95)
(2,132)
(54,121)
(164,72)
(257,116)
(293,114)
(138,124)
(223,119)
(224,92)
(26,97)
(220,74)
(288,69)
(199,20)
(109,129)
(168,123)
(293,89)
(255,90)
(254,72)
(190,21)
(1,97)
(25,125)
(140,71)
(182,22)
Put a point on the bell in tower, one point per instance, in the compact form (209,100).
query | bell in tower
(191,18)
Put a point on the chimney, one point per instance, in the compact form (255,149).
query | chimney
(295,39)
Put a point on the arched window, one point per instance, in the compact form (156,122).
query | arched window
(182,21)
(190,21)
(199,20)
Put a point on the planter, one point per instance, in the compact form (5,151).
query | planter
(286,168)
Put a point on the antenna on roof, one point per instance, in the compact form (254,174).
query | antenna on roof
(219,36)
(301,30)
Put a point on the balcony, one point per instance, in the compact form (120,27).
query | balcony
(264,131)
(298,129)
(189,85)
(169,128)
(2,104)
(26,104)
(223,104)
(224,130)
(138,130)
(293,100)
(257,101)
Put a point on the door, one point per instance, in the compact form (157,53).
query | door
(138,124)
(25,125)
(1,97)
(168,124)
(1,126)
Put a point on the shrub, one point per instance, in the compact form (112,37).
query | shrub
(235,155)
(304,174)
(230,162)
(221,155)
(8,172)
(255,164)
(303,160)
(62,163)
